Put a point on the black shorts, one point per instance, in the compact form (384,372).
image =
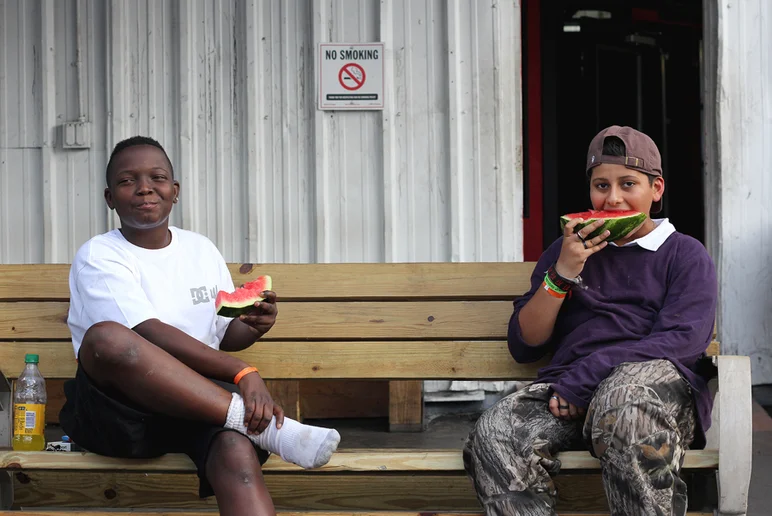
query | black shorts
(104,425)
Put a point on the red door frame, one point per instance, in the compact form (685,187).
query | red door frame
(533,236)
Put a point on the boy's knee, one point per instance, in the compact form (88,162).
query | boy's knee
(232,454)
(627,423)
(492,436)
(486,427)
(109,343)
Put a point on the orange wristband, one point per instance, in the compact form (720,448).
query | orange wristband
(552,292)
(241,374)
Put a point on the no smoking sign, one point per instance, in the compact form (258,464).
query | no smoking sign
(351,76)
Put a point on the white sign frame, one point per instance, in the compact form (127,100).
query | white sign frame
(351,76)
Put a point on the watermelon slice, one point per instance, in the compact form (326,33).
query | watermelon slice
(261,284)
(243,299)
(620,223)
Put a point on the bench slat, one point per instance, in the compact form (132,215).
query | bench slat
(297,320)
(289,491)
(399,281)
(329,360)
(436,492)
(281,360)
(333,321)
(360,460)
(297,513)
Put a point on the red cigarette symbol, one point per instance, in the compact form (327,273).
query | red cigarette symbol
(351,76)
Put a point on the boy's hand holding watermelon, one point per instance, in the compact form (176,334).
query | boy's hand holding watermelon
(263,316)
(577,248)
(254,304)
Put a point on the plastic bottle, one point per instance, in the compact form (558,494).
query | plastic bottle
(29,408)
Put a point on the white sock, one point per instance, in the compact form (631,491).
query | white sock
(305,445)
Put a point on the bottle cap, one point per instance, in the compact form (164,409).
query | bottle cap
(31,358)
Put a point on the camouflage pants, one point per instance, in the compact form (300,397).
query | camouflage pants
(639,423)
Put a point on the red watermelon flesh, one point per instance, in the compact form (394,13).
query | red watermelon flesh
(243,299)
(620,223)
(261,284)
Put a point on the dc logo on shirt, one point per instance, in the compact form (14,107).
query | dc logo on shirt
(202,294)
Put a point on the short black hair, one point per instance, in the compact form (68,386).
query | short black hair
(133,142)
(614,146)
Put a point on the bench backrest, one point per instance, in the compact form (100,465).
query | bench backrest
(342,321)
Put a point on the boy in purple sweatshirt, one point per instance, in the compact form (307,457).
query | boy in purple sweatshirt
(626,323)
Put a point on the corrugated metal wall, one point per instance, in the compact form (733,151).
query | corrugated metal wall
(229,88)
(738,86)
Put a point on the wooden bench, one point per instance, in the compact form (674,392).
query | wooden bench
(402,323)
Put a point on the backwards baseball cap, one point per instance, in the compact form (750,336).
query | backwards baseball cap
(641,154)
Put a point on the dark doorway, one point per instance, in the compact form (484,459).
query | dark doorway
(633,63)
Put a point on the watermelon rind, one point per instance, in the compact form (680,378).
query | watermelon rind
(233,308)
(619,224)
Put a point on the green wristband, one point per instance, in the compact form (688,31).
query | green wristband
(552,286)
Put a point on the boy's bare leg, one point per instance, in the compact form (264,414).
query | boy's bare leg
(118,359)
(234,472)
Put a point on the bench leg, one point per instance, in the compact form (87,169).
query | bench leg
(406,406)
(6,434)
(6,490)
(6,412)
(735,434)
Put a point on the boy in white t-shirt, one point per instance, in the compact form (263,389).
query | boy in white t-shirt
(152,376)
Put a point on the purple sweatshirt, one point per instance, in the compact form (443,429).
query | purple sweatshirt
(639,305)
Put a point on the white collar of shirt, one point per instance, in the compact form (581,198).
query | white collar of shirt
(656,238)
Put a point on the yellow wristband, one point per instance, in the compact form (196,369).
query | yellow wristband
(241,374)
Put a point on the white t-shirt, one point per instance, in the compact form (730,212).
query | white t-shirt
(114,280)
